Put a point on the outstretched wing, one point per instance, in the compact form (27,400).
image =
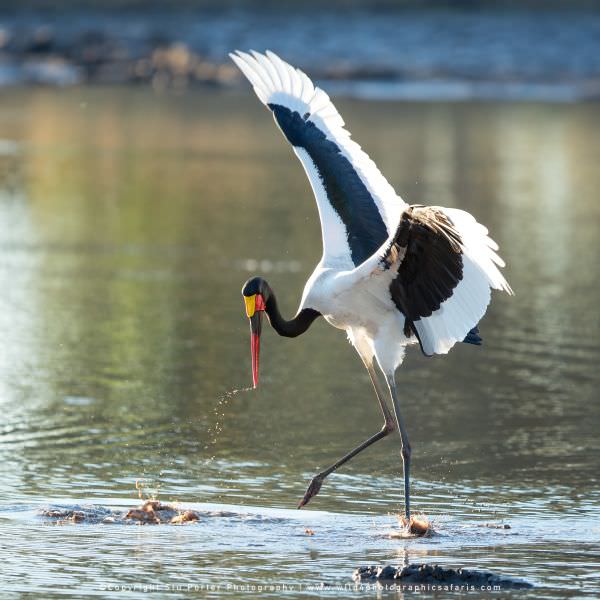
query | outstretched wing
(358,208)
(441,267)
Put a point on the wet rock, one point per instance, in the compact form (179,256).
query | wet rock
(151,512)
(387,572)
(418,525)
(76,514)
(66,516)
(143,516)
(155,512)
(186,517)
(436,575)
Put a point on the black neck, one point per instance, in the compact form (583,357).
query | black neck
(296,326)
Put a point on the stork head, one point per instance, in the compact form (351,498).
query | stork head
(254,292)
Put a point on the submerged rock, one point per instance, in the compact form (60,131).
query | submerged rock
(418,525)
(185,517)
(151,512)
(436,575)
(63,515)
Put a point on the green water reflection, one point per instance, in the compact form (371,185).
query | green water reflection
(128,223)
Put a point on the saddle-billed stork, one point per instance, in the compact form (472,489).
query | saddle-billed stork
(391,274)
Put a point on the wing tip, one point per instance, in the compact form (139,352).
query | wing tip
(275,80)
(254,56)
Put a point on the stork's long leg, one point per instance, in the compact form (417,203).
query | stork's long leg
(406,450)
(388,426)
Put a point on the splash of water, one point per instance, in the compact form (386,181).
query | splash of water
(144,492)
(148,489)
(219,413)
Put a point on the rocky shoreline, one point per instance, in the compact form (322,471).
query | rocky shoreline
(452,54)
(41,56)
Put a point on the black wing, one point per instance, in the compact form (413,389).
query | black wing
(347,179)
(427,250)
(345,190)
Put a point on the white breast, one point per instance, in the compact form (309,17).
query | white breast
(365,304)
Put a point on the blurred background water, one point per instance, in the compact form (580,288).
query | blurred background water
(130,216)
(408,49)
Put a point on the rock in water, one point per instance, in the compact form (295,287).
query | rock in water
(186,517)
(151,512)
(155,512)
(436,575)
(418,525)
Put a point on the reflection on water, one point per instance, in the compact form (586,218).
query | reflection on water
(128,223)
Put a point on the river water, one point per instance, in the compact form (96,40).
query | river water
(128,223)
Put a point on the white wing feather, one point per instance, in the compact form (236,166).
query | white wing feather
(277,82)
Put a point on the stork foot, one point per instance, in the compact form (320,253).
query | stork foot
(313,489)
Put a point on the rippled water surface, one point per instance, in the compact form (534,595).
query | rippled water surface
(128,223)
